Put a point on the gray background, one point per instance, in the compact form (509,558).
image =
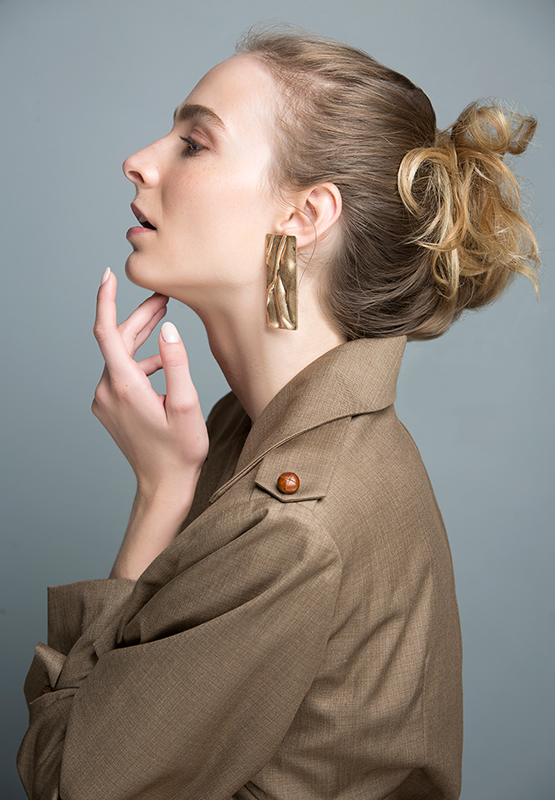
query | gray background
(84,85)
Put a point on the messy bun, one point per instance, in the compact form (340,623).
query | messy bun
(466,202)
(431,222)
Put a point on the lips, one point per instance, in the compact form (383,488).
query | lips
(141,218)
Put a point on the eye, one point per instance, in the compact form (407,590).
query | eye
(194,147)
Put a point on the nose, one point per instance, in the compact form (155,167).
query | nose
(141,168)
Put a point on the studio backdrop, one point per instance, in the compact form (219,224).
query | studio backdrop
(86,84)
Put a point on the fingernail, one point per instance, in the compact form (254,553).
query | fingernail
(169,332)
(105,275)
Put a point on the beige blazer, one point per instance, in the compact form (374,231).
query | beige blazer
(298,646)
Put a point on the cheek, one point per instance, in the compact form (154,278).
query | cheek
(217,214)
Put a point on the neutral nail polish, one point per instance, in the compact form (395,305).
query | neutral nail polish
(105,275)
(169,332)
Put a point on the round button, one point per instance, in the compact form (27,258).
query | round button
(46,690)
(288,483)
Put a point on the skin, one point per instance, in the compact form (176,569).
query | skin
(212,203)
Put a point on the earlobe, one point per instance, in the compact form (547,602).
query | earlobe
(314,213)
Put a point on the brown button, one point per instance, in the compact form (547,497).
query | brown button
(288,483)
(46,690)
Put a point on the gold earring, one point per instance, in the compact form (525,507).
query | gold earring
(281,281)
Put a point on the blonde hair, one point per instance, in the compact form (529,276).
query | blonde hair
(431,222)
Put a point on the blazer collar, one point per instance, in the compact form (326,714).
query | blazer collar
(357,377)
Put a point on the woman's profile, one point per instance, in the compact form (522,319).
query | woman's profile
(281,620)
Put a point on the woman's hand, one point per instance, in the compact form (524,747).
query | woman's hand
(163,437)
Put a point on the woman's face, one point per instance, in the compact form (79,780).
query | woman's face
(204,188)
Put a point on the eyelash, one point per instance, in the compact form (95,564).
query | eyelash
(194,147)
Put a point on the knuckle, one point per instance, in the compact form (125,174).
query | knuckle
(99,395)
(99,333)
(182,406)
(175,360)
(122,391)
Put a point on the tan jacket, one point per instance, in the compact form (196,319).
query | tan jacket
(296,646)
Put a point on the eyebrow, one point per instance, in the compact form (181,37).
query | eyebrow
(192,111)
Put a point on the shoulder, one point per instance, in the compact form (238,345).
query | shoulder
(363,470)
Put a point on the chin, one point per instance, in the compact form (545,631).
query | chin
(138,276)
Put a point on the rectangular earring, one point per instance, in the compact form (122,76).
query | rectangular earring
(281,281)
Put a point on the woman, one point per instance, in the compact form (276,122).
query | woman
(281,619)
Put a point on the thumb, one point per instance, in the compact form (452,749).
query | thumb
(181,394)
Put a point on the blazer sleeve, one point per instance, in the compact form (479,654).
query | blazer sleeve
(191,694)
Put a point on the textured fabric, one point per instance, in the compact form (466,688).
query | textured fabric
(292,647)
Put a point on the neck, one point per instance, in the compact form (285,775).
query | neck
(258,361)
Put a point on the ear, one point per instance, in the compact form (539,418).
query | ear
(312,213)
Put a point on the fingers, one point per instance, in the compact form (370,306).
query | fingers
(181,394)
(151,365)
(106,303)
(109,339)
(119,344)
(133,342)
(139,325)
